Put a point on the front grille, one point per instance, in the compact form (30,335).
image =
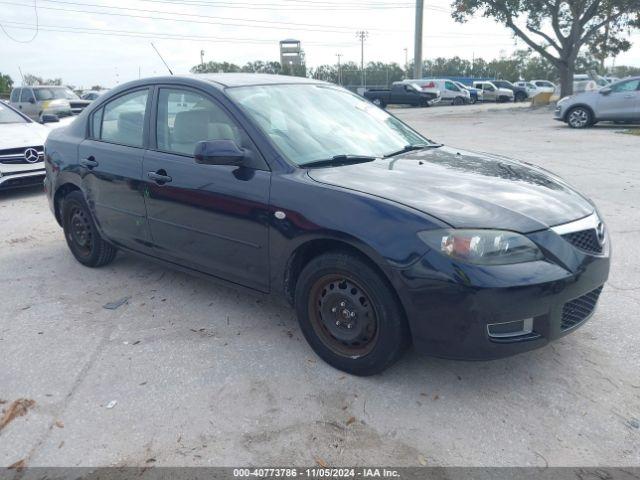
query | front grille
(16,155)
(578,310)
(585,240)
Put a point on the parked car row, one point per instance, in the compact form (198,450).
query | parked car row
(455,92)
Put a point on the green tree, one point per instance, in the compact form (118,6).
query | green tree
(30,79)
(556,29)
(6,83)
(215,67)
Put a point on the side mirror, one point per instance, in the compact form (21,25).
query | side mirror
(605,90)
(219,152)
(49,118)
(32,101)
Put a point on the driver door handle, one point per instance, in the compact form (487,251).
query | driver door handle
(89,162)
(159,177)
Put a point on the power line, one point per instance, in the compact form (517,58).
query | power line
(147,17)
(204,16)
(292,7)
(156,35)
(35,34)
(175,36)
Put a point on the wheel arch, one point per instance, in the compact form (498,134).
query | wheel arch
(61,192)
(312,248)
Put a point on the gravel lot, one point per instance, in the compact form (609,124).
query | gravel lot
(206,375)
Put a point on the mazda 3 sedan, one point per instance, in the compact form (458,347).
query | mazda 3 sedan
(377,236)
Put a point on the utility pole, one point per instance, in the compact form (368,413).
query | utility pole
(339,69)
(417,57)
(202,57)
(362,35)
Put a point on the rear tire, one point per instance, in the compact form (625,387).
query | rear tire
(81,234)
(520,97)
(579,117)
(349,314)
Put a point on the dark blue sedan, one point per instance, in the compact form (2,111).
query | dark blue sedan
(378,236)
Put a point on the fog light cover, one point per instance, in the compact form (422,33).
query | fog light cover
(516,328)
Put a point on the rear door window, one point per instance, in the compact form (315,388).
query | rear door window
(122,119)
(15,95)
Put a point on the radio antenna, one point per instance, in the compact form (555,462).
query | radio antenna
(165,63)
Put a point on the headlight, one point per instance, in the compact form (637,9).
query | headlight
(484,247)
(562,100)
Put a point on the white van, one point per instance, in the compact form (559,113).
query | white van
(449,91)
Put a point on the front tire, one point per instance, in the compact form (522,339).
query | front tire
(520,97)
(349,314)
(378,102)
(81,234)
(579,117)
(458,101)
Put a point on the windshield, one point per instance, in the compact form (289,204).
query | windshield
(54,93)
(315,122)
(9,116)
(462,86)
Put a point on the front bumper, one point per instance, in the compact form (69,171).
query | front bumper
(558,114)
(9,180)
(450,305)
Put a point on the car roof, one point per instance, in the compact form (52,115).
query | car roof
(249,79)
(219,80)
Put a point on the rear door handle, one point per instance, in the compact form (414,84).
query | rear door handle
(89,162)
(159,177)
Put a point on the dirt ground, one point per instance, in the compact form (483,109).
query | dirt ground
(186,372)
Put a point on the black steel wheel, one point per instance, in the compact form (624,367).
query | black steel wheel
(81,234)
(342,315)
(350,314)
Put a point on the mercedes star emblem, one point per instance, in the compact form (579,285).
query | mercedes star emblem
(31,155)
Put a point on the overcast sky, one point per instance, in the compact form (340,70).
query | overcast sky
(228,30)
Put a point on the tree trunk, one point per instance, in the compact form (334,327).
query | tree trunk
(566,69)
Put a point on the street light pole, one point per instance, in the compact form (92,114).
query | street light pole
(417,58)
(362,35)
(339,69)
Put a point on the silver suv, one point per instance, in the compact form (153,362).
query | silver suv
(41,100)
(618,102)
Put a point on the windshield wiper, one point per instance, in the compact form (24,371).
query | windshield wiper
(411,148)
(338,160)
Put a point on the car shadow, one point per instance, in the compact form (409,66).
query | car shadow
(18,193)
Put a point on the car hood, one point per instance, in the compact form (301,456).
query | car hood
(465,189)
(16,135)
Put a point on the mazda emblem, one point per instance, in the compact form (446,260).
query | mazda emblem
(31,155)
